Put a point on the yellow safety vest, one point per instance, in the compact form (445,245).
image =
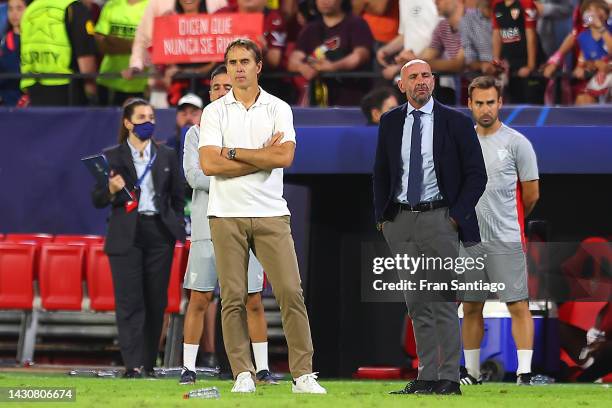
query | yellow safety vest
(45,45)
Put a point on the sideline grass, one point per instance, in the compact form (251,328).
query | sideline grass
(93,392)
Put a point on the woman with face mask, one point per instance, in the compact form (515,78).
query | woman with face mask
(145,192)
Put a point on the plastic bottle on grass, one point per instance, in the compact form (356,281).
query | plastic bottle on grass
(206,393)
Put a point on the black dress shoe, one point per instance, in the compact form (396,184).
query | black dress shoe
(132,373)
(416,387)
(446,387)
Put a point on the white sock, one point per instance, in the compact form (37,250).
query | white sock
(190,352)
(524,361)
(260,351)
(472,362)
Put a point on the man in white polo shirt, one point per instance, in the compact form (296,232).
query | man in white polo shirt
(246,139)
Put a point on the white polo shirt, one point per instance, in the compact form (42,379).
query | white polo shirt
(227,123)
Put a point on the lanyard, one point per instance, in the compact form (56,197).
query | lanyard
(146,170)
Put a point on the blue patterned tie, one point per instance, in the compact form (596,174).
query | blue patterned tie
(415,171)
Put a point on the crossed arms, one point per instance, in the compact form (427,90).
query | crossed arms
(274,154)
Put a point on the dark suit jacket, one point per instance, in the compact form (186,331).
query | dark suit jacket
(458,161)
(169,196)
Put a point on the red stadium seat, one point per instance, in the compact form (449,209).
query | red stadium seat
(61,275)
(99,279)
(17,275)
(80,239)
(580,314)
(39,238)
(175,289)
(1,237)
(586,271)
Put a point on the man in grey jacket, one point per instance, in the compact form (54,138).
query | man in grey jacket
(201,275)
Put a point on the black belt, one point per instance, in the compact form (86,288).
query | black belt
(148,216)
(422,207)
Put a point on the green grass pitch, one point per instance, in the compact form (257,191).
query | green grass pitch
(93,392)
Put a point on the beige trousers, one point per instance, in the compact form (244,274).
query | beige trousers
(271,241)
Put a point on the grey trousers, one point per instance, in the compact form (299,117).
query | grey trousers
(430,235)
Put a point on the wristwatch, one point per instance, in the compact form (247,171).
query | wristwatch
(231,153)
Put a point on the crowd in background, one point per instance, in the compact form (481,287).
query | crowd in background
(525,43)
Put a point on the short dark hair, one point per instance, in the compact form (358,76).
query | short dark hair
(484,82)
(602,4)
(375,99)
(220,69)
(246,44)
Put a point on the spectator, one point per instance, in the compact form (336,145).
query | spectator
(444,53)
(177,87)
(338,42)
(10,53)
(290,11)
(417,18)
(382,16)
(476,39)
(61,49)
(550,31)
(143,38)
(567,45)
(288,8)
(377,102)
(94,9)
(114,35)
(188,113)
(516,42)
(594,43)
(273,43)
(3,16)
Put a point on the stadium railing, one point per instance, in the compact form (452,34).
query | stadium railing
(194,77)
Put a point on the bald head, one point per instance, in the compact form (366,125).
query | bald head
(417,82)
(414,62)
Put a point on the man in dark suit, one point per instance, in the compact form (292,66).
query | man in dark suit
(428,176)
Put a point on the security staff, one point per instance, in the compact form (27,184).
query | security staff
(142,230)
(57,38)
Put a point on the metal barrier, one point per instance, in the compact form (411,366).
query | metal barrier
(194,77)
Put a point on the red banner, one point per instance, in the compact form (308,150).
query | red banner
(182,38)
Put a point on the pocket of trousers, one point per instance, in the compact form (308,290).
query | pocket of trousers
(454,227)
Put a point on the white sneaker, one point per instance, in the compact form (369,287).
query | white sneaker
(307,384)
(244,383)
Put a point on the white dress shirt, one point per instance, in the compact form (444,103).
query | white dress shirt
(430,191)
(147,190)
